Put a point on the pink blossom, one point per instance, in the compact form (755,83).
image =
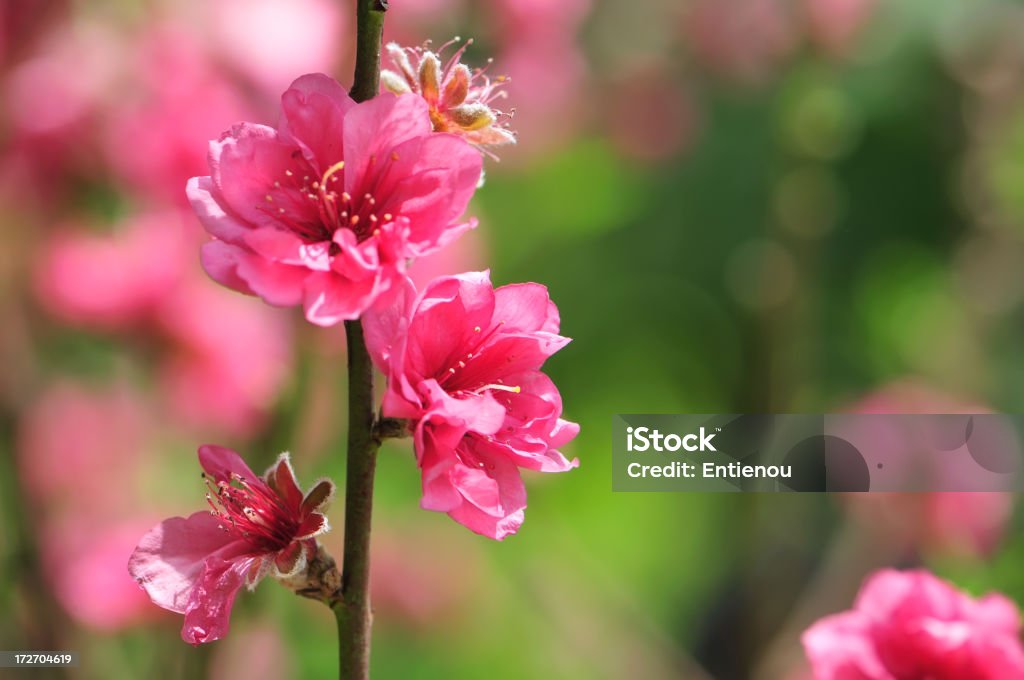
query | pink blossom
(326,209)
(463,364)
(100,430)
(836,24)
(459,100)
(914,625)
(111,280)
(259,526)
(84,562)
(207,381)
(968,523)
(550,109)
(745,40)
(155,134)
(271,40)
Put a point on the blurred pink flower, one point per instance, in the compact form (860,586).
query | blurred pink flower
(209,381)
(258,526)
(459,100)
(155,134)
(100,429)
(257,652)
(548,77)
(299,220)
(914,625)
(84,561)
(651,118)
(540,19)
(270,41)
(63,83)
(111,280)
(114,282)
(540,56)
(971,523)
(745,40)
(447,574)
(479,405)
(834,25)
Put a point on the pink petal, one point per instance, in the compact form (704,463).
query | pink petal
(245,162)
(525,307)
(839,647)
(510,354)
(384,325)
(287,248)
(314,109)
(209,606)
(429,180)
(445,322)
(481,414)
(330,298)
(211,214)
(373,128)
(221,463)
(170,558)
(278,284)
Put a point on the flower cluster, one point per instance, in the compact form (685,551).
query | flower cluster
(327,210)
(463,365)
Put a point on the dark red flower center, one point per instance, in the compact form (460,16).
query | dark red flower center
(252,511)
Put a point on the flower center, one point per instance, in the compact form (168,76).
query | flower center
(335,208)
(252,511)
(458,380)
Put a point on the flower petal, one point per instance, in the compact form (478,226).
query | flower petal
(221,463)
(525,307)
(314,109)
(281,478)
(170,557)
(216,221)
(208,611)
(277,284)
(374,128)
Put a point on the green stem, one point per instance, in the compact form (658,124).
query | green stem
(370,30)
(353,612)
(353,609)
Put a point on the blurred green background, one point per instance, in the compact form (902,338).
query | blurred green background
(752,206)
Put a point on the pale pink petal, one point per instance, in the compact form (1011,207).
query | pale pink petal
(170,558)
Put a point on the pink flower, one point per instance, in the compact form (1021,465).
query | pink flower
(745,40)
(463,364)
(459,99)
(208,382)
(326,209)
(836,24)
(968,523)
(155,139)
(914,625)
(271,40)
(111,280)
(83,559)
(196,565)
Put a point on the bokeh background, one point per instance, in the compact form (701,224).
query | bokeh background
(743,206)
